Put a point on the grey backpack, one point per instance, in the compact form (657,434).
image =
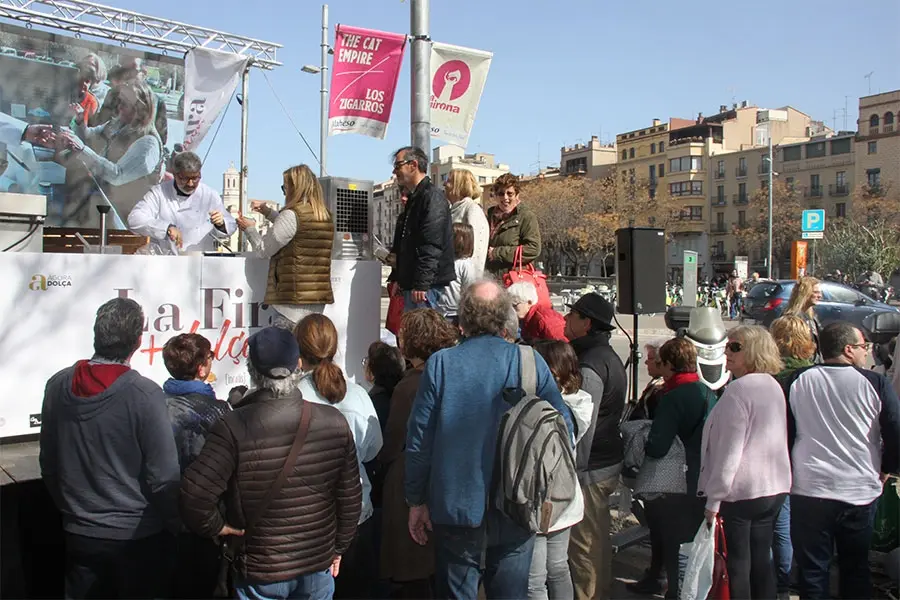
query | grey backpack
(534,473)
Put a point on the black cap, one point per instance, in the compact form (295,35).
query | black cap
(274,352)
(598,309)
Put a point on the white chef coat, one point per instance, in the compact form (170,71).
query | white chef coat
(163,206)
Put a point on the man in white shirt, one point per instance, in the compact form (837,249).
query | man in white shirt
(183,213)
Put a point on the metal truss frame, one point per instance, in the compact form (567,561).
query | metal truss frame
(128,27)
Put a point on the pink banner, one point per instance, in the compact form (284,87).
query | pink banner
(364,75)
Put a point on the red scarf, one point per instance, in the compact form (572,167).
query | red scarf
(679,379)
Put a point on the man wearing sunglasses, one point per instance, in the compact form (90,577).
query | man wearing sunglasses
(844,433)
(423,250)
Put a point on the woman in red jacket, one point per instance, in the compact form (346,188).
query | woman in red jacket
(539,322)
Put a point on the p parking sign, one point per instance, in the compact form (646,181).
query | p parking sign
(813,220)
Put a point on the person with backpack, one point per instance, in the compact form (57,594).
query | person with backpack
(464,394)
(601,452)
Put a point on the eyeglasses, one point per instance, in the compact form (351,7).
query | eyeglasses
(864,345)
(734,347)
(187,178)
(283,191)
(399,164)
(365,361)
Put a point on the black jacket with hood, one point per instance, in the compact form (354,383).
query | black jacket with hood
(108,454)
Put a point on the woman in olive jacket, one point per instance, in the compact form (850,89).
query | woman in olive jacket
(512,225)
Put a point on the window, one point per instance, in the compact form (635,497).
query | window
(815,150)
(720,193)
(482,179)
(873,121)
(765,184)
(814,188)
(653,148)
(686,188)
(888,118)
(662,169)
(873,177)
(742,218)
(652,173)
(720,221)
(720,249)
(742,165)
(840,146)
(840,210)
(789,181)
(792,153)
(631,153)
(840,178)
(695,212)
(763,163)
(840,295)
(576,165)
(720,169)
(624,154)
(686,163)
(873,148)
(662,146)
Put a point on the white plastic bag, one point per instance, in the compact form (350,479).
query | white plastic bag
(701,555)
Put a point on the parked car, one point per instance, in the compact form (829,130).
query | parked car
(8,50)
(767,300)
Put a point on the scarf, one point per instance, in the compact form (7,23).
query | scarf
(680,379)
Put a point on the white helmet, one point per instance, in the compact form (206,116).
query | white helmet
(707,332)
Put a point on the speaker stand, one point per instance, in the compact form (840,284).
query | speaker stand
(635,363)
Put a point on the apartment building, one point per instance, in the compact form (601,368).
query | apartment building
(483,166)
(594,159)
(387,206)
(878,141)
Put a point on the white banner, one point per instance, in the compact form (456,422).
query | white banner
(210,78)
(49,301)
(457,81)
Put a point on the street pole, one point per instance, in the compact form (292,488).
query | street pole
(771,170)
(245,110)
(323,116)
(420,113)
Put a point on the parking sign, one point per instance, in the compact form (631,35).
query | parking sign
(813,220)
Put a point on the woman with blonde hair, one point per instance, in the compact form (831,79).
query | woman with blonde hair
(804,297)
(298,246)
(463,193)
(745,469)
(323,382)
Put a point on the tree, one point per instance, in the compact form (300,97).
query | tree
(868,238)
(786,214)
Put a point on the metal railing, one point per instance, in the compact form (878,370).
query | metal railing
(838,189)
(740,199)
(717,201)
(740,171)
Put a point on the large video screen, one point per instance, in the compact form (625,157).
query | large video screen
(85,123)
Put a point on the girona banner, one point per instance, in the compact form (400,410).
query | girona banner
(364,76)
(457,80)
(210,80)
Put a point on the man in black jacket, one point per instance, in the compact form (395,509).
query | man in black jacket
(600,453)
(423,250)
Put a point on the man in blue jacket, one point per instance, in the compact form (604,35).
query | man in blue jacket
(450,447)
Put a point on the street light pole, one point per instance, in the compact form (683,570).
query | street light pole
(771,169)
(420,125)
(323,117)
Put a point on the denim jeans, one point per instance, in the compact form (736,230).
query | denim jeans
(549,576)
(312,586)
(749,526)
(499,549)
(818,527)
(431,298)
(782,551)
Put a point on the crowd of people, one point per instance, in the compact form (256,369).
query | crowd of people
(307,485)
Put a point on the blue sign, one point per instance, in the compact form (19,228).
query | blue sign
(813,220)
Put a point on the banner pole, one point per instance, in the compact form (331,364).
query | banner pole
(242,190)
(323,117)
(421,75)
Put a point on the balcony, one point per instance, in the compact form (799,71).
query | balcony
(873,130)
(717,201)
(719,174)
(717,257)
(763,169)
(838,189)
(813,192)
(740,171)
(888,128)
(718,229)
(740,199)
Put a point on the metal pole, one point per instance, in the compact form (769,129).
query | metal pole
(771,169)
(635,364)
(323,117)
(242,190)
(420,112)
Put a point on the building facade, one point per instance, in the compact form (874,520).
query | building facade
(594,159)
(878,141)
(387,205)
(483,166)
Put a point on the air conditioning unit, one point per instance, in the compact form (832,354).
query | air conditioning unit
(350,203)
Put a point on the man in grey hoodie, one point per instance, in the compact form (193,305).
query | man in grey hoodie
(109,461)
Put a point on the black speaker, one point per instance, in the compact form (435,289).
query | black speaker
(641,270)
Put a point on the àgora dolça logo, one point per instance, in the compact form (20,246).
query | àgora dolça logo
(42,283)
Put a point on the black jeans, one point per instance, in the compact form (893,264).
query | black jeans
(749,528)
(657,517)
(359,565)
(97,568)
(818,526)
(683,515)
(197,570)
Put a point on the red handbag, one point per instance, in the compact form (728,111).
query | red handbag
(721,586)
(394,313)
(528,273)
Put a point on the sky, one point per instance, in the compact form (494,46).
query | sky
(561,72)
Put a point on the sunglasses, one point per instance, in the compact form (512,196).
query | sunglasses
(399,164)
(734,347)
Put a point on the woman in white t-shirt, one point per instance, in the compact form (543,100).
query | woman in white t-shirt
(463,193)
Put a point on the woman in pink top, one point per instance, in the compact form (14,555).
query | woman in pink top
(745,470)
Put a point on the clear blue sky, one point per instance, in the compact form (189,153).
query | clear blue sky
(562,71)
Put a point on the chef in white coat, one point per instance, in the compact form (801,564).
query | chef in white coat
(183,214)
